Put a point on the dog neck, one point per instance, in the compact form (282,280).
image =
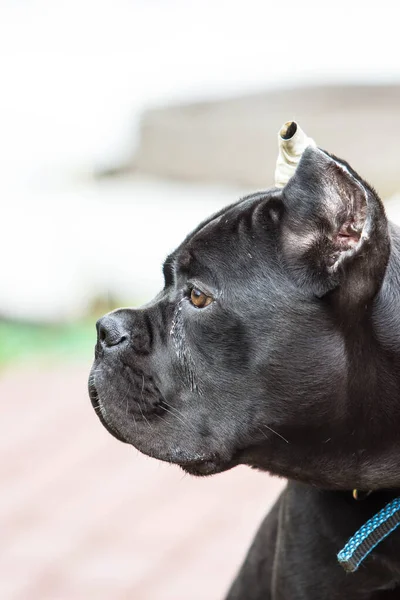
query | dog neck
(386,309)
(360,449)
(376,374)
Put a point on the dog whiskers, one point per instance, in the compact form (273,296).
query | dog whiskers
(144,416)
(126,397)
(141,393)
(142,399)
(275,432)
(179,415)
(102,409)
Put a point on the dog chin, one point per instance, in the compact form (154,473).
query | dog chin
(194,461)
(206,467)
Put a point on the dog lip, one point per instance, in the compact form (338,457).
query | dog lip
(93,395)
(94,398)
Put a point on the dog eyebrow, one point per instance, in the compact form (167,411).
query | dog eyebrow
(175,263)
(169,263)
(168,270)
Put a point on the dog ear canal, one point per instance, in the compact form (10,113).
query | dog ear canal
(335,233)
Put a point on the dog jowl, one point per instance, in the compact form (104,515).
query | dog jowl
(275,342)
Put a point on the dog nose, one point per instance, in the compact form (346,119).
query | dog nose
(110,331)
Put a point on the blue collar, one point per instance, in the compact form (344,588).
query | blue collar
(369,535)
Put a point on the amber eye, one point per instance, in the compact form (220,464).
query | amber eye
(199,299)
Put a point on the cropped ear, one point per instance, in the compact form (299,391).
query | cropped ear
(334,232)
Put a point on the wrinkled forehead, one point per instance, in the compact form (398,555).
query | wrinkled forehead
(228,240)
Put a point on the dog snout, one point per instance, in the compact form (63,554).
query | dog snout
(110,331)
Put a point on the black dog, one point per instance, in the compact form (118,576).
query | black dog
(275,343)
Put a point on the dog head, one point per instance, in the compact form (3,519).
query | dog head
(253,351)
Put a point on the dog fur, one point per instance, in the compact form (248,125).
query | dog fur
(293,368)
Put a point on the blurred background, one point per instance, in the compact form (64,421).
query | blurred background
(122,125)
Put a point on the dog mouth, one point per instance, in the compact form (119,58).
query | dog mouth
(100,410)
(193,462)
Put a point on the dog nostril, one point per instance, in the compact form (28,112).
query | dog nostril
(110,331)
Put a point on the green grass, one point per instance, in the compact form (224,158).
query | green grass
(21,342)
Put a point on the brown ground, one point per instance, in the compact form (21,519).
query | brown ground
(83,517)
